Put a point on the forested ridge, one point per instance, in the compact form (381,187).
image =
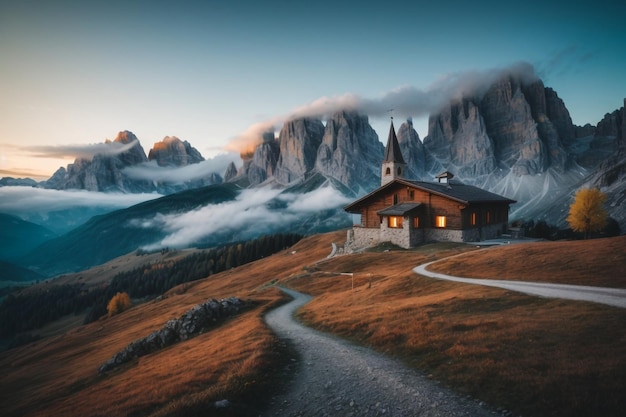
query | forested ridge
(26,311)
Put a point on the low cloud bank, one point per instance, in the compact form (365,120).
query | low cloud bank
(405,101)
(87,151)
(177,175)
(252,213)
(28,200)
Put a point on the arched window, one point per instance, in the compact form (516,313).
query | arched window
(388,171)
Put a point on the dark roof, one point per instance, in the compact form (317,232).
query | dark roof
(465,194)
(461,192)
(399,209)
(392,151)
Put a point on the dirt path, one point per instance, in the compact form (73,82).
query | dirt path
(615,297)
(336,378)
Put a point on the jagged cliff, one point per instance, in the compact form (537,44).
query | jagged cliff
(515,138)
(172,151)
(104,171)
(351,151)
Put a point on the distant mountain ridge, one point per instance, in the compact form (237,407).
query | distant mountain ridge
(105,172)
(501,139)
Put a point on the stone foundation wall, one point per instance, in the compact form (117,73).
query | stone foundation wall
(361,237)
(407,237)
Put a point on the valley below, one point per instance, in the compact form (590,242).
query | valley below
(514,353)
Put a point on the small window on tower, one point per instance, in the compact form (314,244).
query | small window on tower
(388,171)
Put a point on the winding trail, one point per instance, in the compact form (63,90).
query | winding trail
(336,378)
(615,297)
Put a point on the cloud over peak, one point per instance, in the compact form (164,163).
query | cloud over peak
(405,101)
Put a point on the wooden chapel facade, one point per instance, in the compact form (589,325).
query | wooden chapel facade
(408,213)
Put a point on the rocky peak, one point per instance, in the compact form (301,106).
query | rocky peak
(412,150)
(509,122)
(231,172)
(104,171)
(350,151)
(261,164)
(171,151)
(299,140)
(458,139)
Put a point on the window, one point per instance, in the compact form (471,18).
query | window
(395,199)
(416,222)
(395,222)
(440,221)
(473,219)
(388,171)
(488,217)
(410,194)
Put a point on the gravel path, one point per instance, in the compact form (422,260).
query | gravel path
(336,378)
(615,297)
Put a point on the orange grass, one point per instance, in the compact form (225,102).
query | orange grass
(236,361)
(599,262)
(531,355)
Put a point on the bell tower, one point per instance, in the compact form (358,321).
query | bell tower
(393,164)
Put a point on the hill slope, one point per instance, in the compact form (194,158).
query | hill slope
(530,355)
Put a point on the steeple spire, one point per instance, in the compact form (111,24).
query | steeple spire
(393,163)
(392,151)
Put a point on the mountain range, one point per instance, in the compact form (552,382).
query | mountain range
(516,138)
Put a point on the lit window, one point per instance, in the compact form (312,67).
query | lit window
(395,221)
(440,221)
(488,217)
(416,222)
(473,219)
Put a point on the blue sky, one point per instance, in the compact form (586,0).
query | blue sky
(75,73)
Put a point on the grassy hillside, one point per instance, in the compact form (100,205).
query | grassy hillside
(531,355)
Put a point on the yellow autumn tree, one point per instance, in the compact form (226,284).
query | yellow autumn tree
(119,303)
(586,213)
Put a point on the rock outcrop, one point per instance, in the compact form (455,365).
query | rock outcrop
(196,320)
(172,151)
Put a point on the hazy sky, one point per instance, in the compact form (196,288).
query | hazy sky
(74,73)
